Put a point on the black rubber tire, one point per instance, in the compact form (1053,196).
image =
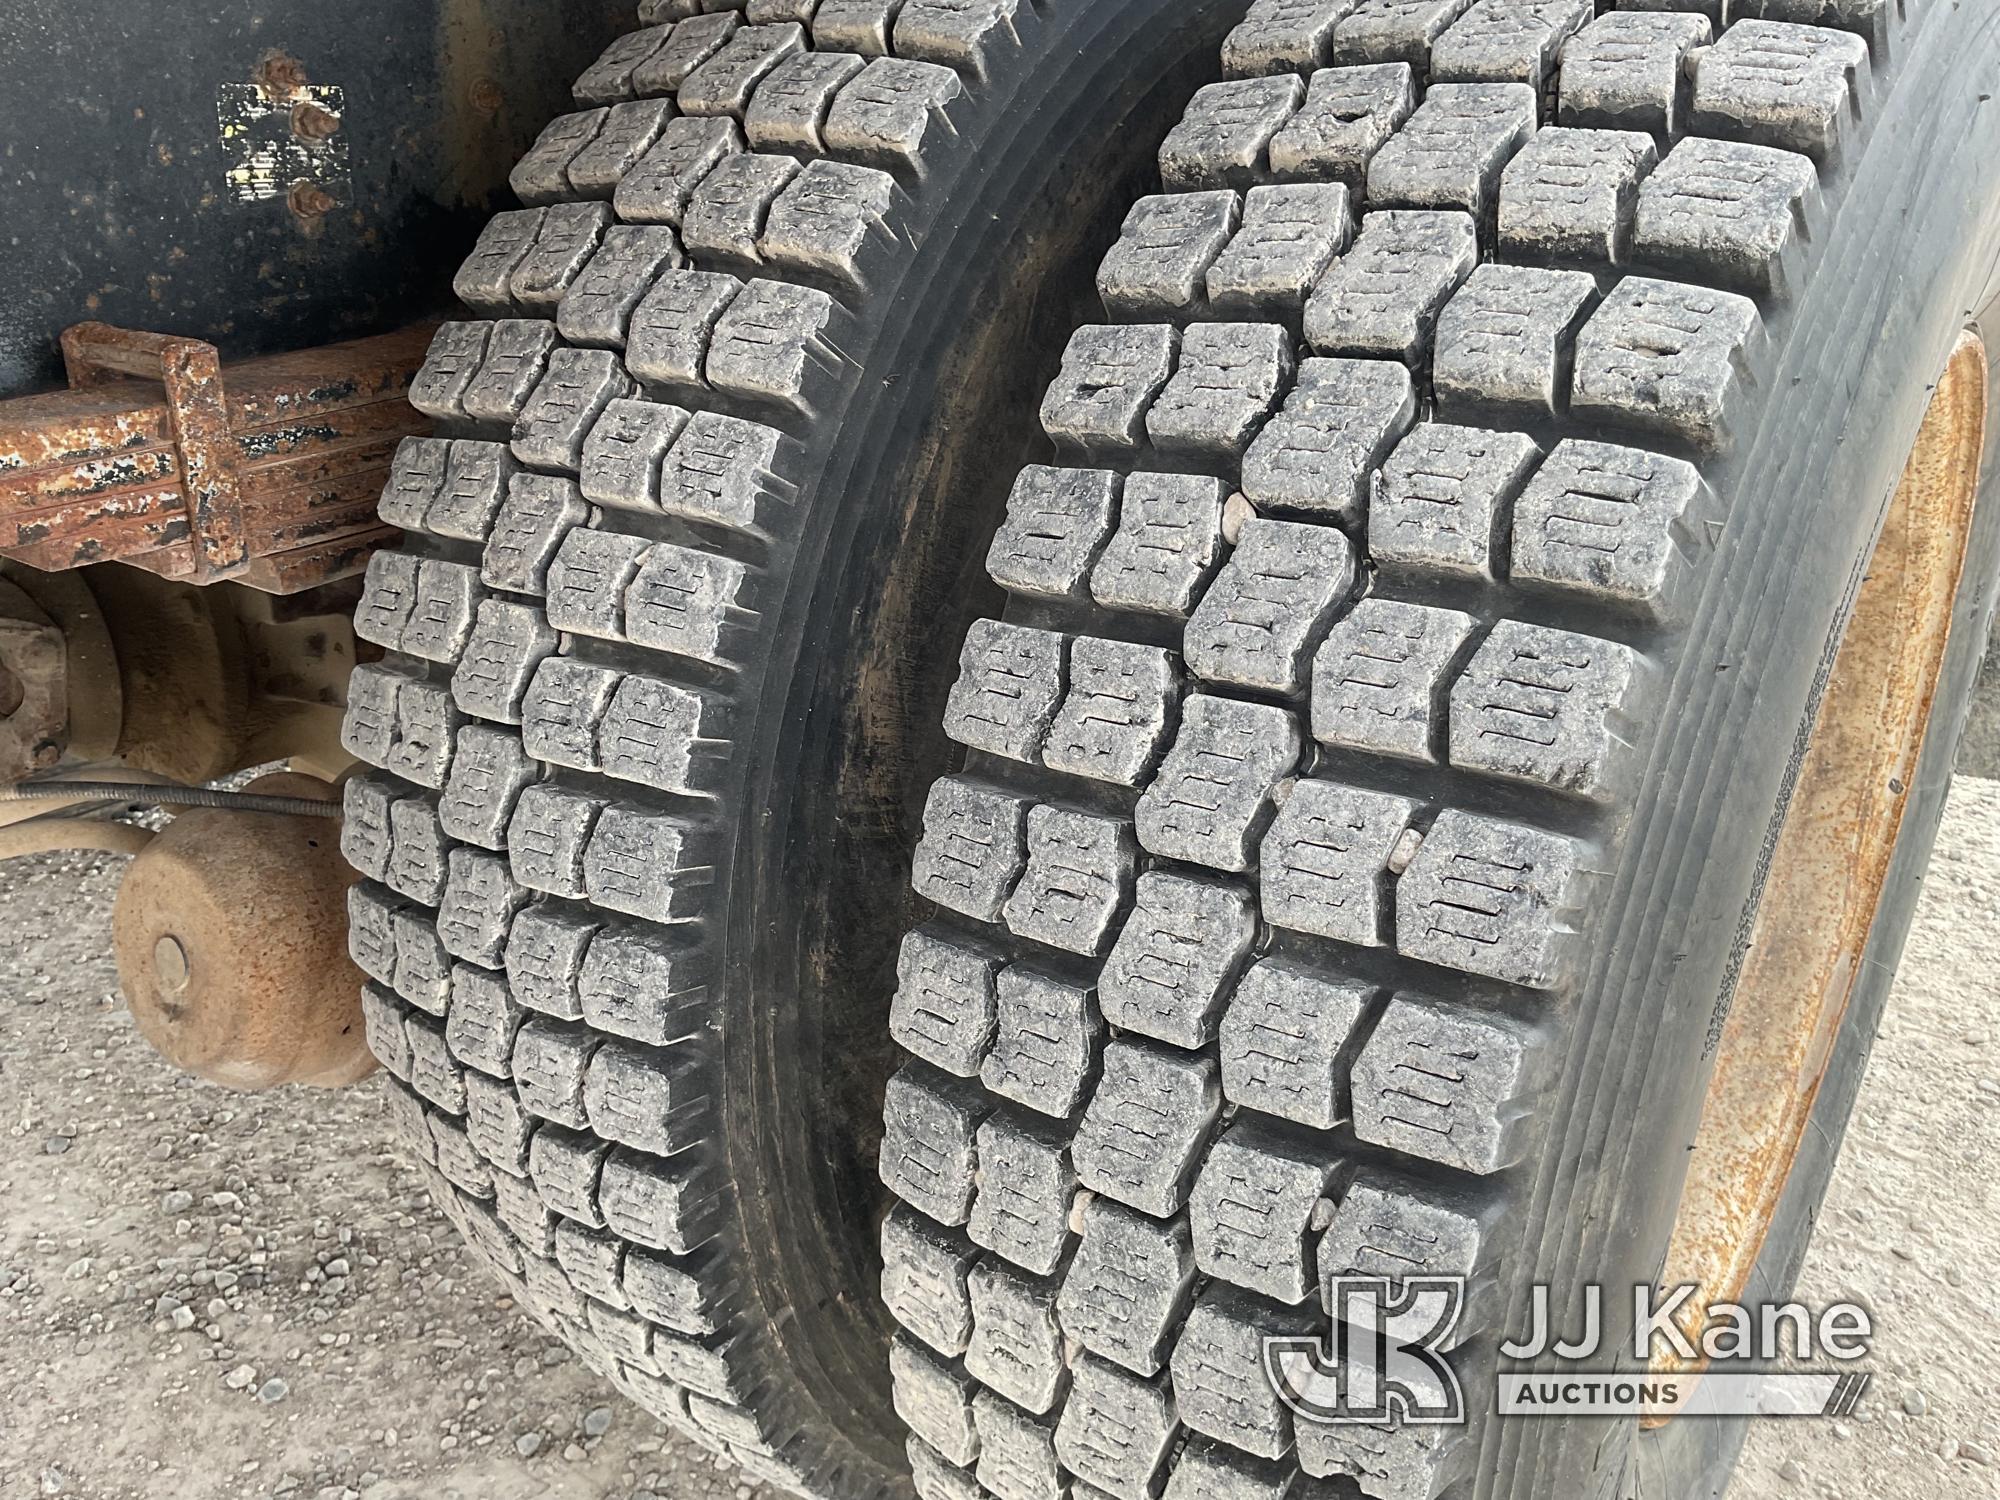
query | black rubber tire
(1198,1018)
(634,845)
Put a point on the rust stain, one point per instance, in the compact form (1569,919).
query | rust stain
(217,986)
(472,55)
(1831,861)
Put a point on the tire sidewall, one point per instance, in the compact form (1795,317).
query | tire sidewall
(1904,263)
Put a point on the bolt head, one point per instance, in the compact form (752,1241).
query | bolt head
(311,122)
(310,201)
(170,963)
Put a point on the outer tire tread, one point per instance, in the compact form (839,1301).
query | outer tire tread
(593,557)
(1374,792)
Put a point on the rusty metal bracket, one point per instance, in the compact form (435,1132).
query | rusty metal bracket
(191,372)
(265,471)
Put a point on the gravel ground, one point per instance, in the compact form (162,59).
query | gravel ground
(214,1294)
(1912,1219)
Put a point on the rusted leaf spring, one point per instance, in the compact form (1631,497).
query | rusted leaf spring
(266,471)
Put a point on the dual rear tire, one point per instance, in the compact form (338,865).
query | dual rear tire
(1393,670)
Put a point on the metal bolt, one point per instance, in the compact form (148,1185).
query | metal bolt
(280,74)
(310,201)
(170,963)
(312,123)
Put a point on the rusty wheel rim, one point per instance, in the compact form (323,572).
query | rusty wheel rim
(1831,861)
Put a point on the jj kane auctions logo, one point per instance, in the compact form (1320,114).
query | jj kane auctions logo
(1383,1359)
